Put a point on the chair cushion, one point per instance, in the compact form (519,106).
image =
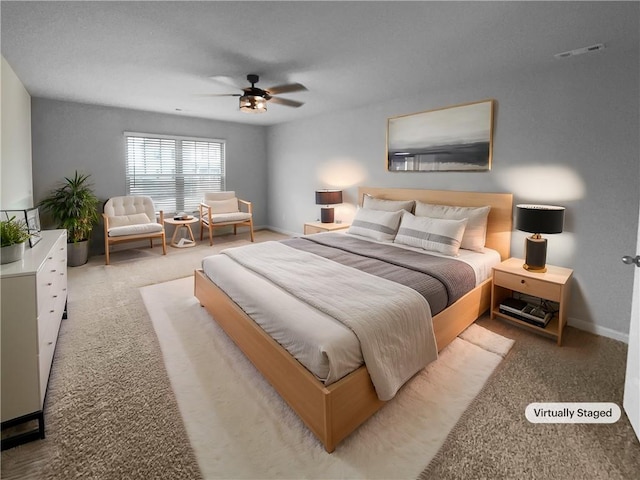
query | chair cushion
(138,229)
(228,217)
(130,205)
(124,220)
(223,206)
(219,195)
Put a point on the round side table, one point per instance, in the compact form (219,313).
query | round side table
(182,241)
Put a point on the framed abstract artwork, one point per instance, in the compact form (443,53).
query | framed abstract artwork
(452,139)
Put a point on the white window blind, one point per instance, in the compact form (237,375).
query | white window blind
(174,171)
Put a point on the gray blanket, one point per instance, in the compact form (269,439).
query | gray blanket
(440,280)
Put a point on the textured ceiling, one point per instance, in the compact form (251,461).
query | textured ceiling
(158,56)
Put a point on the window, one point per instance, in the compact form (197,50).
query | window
(174,171)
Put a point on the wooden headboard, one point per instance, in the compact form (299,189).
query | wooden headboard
(499,224)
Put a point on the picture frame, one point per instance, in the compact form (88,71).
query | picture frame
(31,217)
(458,138)
(33,223)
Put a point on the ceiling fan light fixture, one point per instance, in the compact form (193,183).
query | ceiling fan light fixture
(253,104)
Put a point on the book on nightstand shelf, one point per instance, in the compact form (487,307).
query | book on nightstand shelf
(525,312)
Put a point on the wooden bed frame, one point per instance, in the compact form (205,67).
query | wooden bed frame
(333,412)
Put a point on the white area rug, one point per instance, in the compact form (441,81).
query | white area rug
(239,427)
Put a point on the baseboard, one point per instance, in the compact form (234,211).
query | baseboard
(598,330)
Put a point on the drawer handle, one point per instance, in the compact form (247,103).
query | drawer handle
(51,311)
(49,343)
(49,284)
(522,281)
(54,270)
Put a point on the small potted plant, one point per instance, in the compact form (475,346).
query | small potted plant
(13,236)
(73,206)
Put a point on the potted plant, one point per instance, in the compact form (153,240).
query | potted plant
(73,206)
(13,236)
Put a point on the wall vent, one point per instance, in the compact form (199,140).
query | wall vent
(579,51)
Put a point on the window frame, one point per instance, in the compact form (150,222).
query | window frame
(216,182)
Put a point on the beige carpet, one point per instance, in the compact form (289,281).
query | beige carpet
(110,411)
(240,428)
(494,440)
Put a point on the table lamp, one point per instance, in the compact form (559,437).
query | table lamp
(538,219)
(328,197)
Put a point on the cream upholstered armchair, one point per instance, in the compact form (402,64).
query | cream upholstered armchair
(221,209)
(130,218)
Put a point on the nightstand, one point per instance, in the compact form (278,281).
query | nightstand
(317,227)
(510,277)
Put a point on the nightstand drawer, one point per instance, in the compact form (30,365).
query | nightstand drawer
(309,229)
(319,227)
(529,286)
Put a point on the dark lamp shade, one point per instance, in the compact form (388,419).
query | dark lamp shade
(540,218)
(328,197)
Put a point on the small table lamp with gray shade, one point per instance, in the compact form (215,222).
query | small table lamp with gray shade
(328,197)
(538,219)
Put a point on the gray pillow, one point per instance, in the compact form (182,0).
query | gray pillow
(376,224)
(475,233)
(435,234)
(374,203)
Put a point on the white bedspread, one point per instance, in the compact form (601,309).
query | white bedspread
(392,322)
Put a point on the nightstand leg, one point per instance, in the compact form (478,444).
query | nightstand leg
(562,319)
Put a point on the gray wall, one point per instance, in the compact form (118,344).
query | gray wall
(566,136)
(69,136)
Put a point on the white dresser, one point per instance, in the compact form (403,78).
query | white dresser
(34,296)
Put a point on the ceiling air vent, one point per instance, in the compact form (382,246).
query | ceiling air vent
(580,51)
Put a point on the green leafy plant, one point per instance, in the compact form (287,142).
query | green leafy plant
(73,206)
(13,231)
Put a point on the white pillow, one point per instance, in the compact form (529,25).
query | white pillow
(475,234)
(374,203)
(436,234)
(126,220)
(229,205)
(376,224)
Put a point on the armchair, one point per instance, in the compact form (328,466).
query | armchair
(131,218)
(221,209)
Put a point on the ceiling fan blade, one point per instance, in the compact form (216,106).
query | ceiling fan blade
(292,87)
(286,102)
(218,94)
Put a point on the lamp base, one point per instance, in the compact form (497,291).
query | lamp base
(534,270)
(535,248)
(327,215)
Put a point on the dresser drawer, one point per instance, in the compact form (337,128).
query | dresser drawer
(45,287)
(49,323)
(527,285)
(45,359)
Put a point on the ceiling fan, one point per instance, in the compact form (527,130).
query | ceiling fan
(254,99)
